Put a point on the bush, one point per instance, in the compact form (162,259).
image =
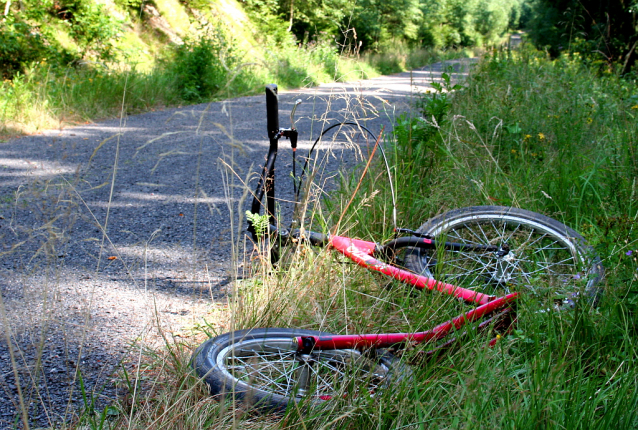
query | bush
(202,67)
(20,45)
(92,27)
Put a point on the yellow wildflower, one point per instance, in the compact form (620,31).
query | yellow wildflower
(589,120)
(513,151)
(635,107)
(541,136)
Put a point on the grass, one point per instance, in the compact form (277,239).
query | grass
(552,137)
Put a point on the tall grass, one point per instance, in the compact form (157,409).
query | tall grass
(549,136)
(553,137)
(524,131)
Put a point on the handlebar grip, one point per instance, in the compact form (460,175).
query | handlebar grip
(272,110)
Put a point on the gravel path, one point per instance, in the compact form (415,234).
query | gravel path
(111,230)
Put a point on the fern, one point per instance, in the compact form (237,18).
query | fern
(259,222)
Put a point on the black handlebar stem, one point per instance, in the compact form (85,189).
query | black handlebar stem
(267,178)
(266,184)
(272,111)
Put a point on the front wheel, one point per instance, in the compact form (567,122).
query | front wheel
(537,255)
(263,368)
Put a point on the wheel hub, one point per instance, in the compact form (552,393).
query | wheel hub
(505,268)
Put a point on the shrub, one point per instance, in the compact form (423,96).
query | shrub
(20,45)
(92,27)
(202,67)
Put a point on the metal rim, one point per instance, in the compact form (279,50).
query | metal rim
(538,252)
(272,365)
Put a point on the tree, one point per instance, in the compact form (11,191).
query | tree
(604,30)
(379,21)
(310,18)
(467,22)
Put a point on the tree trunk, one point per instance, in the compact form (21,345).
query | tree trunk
(630,59)
(292,11)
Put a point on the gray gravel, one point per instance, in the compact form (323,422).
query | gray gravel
(157,192)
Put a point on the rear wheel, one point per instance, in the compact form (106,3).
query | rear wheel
(538,255)
(262,367)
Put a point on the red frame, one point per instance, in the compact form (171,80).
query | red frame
(360,251)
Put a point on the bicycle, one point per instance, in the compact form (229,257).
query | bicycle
(499,247)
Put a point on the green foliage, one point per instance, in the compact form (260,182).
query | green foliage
(375,25)
(552,112)
(604,34)
(419,142)
(130,4)
(273,28)
(259,222)
(26,35)
(325,27)
(417,137)
(378,23)
(201,5)
(468,23)
(91,26)
(437,105)
(313,19)
(202,66)
(19,46)
(25,39)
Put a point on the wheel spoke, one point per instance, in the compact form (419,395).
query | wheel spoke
(540,251)
(272,369)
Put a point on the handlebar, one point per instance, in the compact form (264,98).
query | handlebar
(267,179)
(272,111)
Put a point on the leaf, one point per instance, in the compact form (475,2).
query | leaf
(513,129)
(111,411)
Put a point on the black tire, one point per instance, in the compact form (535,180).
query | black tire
(234,364)
(545,258)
